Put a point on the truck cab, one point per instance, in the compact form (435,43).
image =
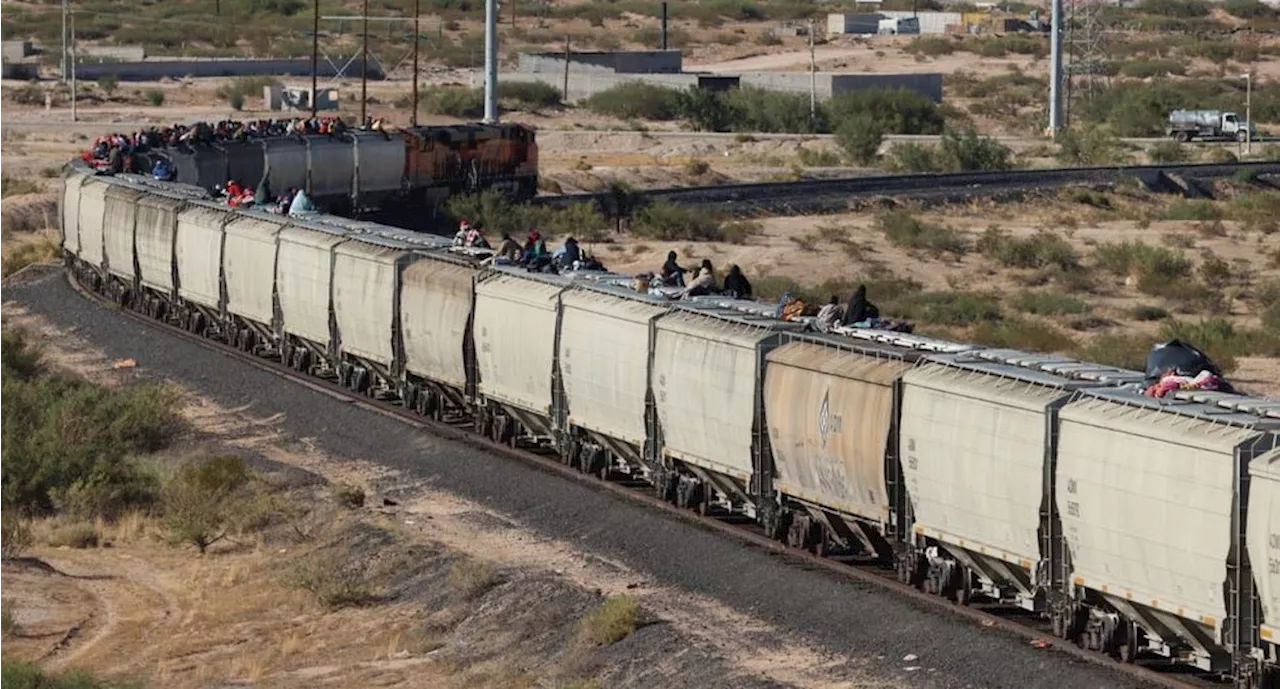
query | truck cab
(908,26)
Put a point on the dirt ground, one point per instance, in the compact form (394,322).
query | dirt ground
(141,608)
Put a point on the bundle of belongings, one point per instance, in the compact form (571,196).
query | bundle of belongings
(1176,365)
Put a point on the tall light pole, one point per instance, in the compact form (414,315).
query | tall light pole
(417,14)
(364,68)
(813,76)
(1057,77)
(65,9)
(315,57)
(73,67)
(491,62)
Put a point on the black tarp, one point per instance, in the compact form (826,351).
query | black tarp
(1182,359)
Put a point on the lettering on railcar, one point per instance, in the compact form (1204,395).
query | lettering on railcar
(1071,486)
(1273,562)
(1073,509)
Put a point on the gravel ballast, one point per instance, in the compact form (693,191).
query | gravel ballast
(834,613)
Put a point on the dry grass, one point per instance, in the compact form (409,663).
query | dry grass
(471,578)
(614,620)
(31,214)
(31,250)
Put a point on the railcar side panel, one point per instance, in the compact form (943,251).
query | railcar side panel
(304,273)
(1146,501)
(121,214)
(604,362)
(155,231)
(71,186)
(286,161)
(331,163)
(436,300)
(1264,539)
(830,412)
(365,298)
(705,373)
(515,333)
(973,448)
(249,263)
(93,211)
(199,250)
(379,164)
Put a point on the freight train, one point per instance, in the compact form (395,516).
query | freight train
(1138,526)
(359,170)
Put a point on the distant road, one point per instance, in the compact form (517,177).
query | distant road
(21,126)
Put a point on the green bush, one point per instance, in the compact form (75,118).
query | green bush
(1124,351)
(615,619)
(1041,250)
(1022,333)
(670,221)
(909,156)
(1049,304)
(762,110)
(240,88)
(1249,9)
(497,214)
(1191,209)
(528,95)
(636,100)
(968,151)
(1092,147)
(949,308)
(13,186)
(1146,69)
(905,230)
(895,111)
(931,46)
(1169,152)
(67,439)
(16,674)
(1185,9)
(155,97)
(860,138)
(458,102)
(810,157)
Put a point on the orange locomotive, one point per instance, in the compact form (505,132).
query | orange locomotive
(443,161)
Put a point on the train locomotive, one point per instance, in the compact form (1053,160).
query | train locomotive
(1138,526)
(360,170)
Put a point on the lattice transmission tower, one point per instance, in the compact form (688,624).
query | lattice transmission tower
(1085,45)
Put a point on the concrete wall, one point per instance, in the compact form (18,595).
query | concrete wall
(584,85)
(621,62)
(16,50)
(122,53)
(151,70)
(828,84)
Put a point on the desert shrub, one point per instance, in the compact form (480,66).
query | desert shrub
(810,157)
(1216,337)
(1040,250)
(8,620)
(1022,333)
(333,582)
(1215,272)
(471,578)
(1144,260)
(155,97)
(967,150)
(454,102)
(199,498)
(931,46)
(611,622)
(108,83)
(913,157)
(1249,9)
(1191,209)
(12,186)
(1168,152)
(528,95)
(1256,210)
(1124,351)
(1088,197)
(632,100)
(895,111)
(860,138)
(241,88)
(1043,303)
(40,249)
(1185,9)
(68,437)
(349,496)
(1146,69)
(671,221)
(1090,148)
(1150,313)
(762,110)
(498,215)
(949,308)
(74,534)
(15,674)
(706,111)
(15,536)
(905,230)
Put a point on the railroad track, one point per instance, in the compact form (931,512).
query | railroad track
(836,195)
(1019,623)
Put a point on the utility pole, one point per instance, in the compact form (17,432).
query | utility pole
(566,68)
(73,67)
(1057,75)
(63,73)
(1248,112)
(813,75)
(490,61)
(315,58)
(417,38)
(364,68)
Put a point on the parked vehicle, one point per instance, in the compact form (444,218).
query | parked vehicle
(1185,125)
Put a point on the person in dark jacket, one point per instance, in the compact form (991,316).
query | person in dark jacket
(859,309)
(672,273)
(572,253)
(736,284)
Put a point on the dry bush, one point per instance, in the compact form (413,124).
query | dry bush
(73,535)
(30,215)
(349,496)
(471,578)
(614,620)
(15,536)
(333,582)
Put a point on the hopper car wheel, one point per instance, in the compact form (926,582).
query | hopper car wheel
(1059,620)
(964,588)
(1127,650)
(664,486)
(903,568)
(797,531)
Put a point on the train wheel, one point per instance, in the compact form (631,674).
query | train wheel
(964,589)
(1127,650)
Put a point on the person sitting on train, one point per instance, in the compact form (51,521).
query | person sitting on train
(829,314)
(509,250)
(569,253)
(703,284)
(672,273)
(162,171)
(736,284)
(302,205)
(859,309)
(460,237)
(526,252)
(538,258)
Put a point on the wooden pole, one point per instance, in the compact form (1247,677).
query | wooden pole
(565,95)
(315,58)
(364,69)
(417,15)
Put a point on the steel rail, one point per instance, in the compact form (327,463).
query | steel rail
(750,535)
